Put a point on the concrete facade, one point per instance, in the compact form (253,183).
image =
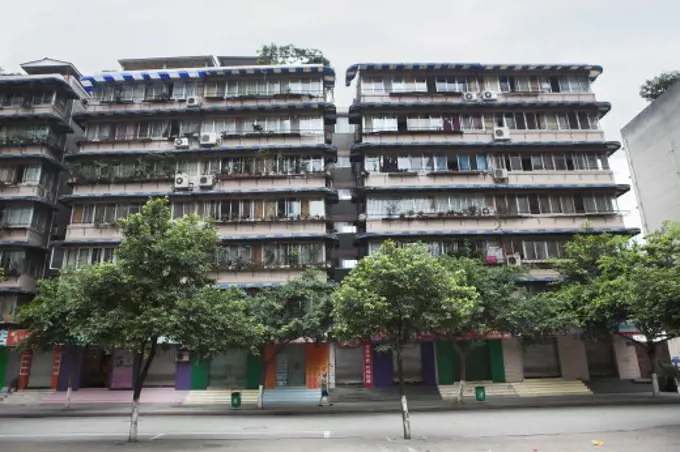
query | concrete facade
(626,359)
(573,360)
(652,142)
(512,359)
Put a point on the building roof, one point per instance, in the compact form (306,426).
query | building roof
(50,66)
(177,62)
(593,70)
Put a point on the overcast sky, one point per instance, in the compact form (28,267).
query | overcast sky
(633,40)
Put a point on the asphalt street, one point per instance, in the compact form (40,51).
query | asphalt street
(630,429)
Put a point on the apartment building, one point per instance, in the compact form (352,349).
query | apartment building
(504,162)
(222,137)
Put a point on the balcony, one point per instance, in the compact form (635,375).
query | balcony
(225,228)
(23,234)
(258,277)
(22,190)
(16,281)
(163,103)
(452,96)
(222,184)
(463,221)
(482,137)
(433,178)
(50,145)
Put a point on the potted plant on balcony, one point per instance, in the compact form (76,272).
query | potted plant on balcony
(391,209)
(293,258)
(269,259)
(473,211)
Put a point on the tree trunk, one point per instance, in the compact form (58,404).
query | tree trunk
(263,379)
(462,356)
(651,354)
(140,378)
(406,421)
(69,389)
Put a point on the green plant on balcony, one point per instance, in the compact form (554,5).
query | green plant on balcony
(293,258)
(392,209)
(269,258)
(410,213)
(313,254)
(473,211)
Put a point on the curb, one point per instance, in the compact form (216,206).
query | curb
(62,413)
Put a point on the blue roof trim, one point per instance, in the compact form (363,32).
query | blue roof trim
(612,146)
(302,147)
(198,193)
(471,187)
(329,110)
(231,238)
(358,107)
(51,160)
(188,74)
(17,290)
(593,70)
(42,80)
(21,245)
(35,199)
(386,235)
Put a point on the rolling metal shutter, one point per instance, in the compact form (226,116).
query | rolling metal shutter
(541,360)
(349,365)
(41,370)
(163,368)
(228,370)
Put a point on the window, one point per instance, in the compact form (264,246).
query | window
(237,210)
(540,250)
(344,194)
(317,208)
(180,209)
(17,216)
(408,84)
(308,126)
(458,84)
(288,208)
(235,256)
(471,122)
(345,228)
(380,124)
(157,91)
(373,85)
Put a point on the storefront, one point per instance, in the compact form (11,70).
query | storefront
(417,361)
(601,359)
(349,368)
(163,367)
(541,360)
(228,370)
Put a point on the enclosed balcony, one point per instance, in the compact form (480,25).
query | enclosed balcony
(32,141)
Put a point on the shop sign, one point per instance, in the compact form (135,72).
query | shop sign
(368,364)
(16,337)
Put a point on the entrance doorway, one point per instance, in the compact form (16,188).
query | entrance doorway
(291,367)
(96,368)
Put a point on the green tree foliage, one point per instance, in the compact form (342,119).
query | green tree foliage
(289,54)
(655,87)
(503,305)
(281,314)
(159,290)
(394,294)
(611,282)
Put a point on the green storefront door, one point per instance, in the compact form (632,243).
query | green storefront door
(448,362)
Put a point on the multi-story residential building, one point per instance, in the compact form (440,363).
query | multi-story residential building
(246,144)
(651,142)
(504,161)
(35,132)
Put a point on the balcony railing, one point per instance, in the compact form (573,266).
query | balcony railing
(483,212)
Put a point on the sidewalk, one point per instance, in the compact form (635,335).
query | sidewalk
(150,409)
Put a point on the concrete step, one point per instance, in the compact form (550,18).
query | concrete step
(381,394)
(219,397)
(551,387)
(25,397)
(491,389)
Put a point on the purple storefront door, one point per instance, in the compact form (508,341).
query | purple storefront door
(383,369)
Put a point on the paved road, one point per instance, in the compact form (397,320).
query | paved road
(633,429)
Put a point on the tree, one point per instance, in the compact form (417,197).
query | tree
(55,316)
(158,290)
(393,295)
(289,54)
(655,87)
(610,282)
(282,314)
(503,306)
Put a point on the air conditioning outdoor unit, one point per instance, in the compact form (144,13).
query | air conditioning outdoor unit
(206,180)
(499,174)
(488,211)
(183,357)
(469,96)
(501,134)
(513,259)
(182,143)
(182,181)
(489,95)
(208,139)
(194,101)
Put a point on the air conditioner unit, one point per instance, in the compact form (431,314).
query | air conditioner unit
(489,95)
(194,101)
(469,96)
(183,357)
(208,139)
(499,174)
(501,133)
(181,143)
(182,181)
(513,259)
(206,180)
(488,211)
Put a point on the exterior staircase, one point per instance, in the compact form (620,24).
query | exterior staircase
(551,387)
(382,394)
(220,397)
(450,392)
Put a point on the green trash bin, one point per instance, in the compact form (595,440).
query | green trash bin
(480,393)
(236,400)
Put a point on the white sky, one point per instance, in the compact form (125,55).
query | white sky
(633,40)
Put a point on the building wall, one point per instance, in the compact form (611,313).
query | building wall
(512,358)
(651,141)
(626,359)
(573,359)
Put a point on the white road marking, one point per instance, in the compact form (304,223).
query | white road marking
(326,434)
(160,435)
(213,434)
